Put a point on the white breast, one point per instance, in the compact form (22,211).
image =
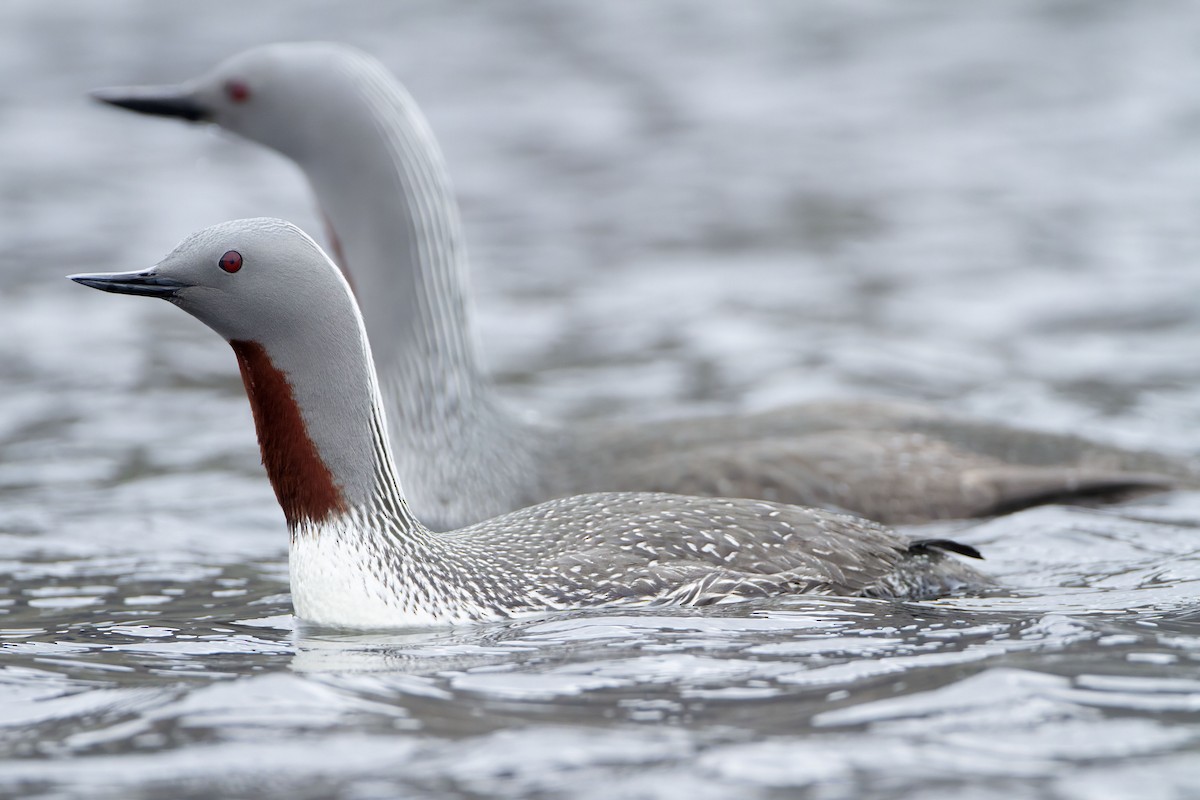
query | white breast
(340,578)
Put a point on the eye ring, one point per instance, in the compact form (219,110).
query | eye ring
(231,262)
(237,91)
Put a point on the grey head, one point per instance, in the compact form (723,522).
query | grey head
(376,169)
(285,96)
(257,280)
(269,290)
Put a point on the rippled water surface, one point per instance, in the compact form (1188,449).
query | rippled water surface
(672,207)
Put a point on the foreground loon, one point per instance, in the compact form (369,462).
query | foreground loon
(360,558)
(462,456)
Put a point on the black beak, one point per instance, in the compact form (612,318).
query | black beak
(146,283)
(159,101)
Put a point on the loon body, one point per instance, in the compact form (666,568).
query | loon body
(359,557)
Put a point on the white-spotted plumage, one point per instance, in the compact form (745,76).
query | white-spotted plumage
(359,557)
(367,569)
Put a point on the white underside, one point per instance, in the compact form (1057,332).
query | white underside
(335,583)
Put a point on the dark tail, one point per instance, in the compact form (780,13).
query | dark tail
(926,546)
(926,572)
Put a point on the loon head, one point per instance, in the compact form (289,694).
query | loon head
(292,97)
(273,294)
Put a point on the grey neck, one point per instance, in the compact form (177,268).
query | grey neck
(383,186)
(316,384)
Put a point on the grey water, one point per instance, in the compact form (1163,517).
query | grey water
(672,207)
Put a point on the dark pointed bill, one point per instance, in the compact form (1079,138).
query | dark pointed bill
(145,283)
(159,101)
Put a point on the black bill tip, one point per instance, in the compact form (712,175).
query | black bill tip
(158,101)
(144,284)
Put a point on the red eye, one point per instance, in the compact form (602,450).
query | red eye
(237,91)
(231,261)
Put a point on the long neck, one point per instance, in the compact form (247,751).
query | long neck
(383,186)
(321,427)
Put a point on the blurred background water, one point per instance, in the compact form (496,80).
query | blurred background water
(672,207)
